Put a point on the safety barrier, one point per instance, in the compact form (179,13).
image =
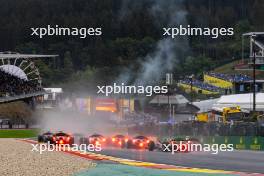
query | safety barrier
(239,142)
(244,135)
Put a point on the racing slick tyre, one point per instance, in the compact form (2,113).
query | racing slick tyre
(40,139)
(71,141)
(129,144)
(51,141)
(151,146)
(123,145)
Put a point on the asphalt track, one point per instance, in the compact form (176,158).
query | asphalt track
(241,161)
(238,162)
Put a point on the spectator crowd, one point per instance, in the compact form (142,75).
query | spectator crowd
(11,85)
(201,85)
(231,77)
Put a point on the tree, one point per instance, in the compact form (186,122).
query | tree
(68,66)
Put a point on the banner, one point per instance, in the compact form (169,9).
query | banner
(218,82)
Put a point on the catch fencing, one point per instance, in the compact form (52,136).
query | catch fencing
(244,135)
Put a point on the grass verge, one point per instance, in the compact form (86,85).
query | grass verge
(18,133)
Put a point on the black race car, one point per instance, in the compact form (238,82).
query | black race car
(45,137)
(141,142)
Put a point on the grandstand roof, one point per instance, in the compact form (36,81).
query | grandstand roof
(24,56)
(253,33)
(14,70)
(245,101)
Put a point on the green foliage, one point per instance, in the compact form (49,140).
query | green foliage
(4,133)
(198,64)
(16,111)
(128,35)
(68,66)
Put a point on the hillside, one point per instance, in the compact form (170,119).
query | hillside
(229,69)
(132,36)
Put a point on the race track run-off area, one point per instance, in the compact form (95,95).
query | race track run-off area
(113,161)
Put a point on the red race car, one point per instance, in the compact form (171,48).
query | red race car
(62,138)
(119,141)
(95,139)
(141,142)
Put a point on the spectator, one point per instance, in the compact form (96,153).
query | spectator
(11,85)
(231,77)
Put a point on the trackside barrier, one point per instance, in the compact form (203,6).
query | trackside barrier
(246,135)
(239,142)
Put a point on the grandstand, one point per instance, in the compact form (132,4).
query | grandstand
(231,77)
(232,83)
(224,81)
(12,86)
(199,87)
(220,83)
(19,77)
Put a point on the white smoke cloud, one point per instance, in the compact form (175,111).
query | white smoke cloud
(168,51)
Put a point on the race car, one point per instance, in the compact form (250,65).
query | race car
(45,137)
(119,141)
(62,138)
(94,139)
(141,142)
(175,144)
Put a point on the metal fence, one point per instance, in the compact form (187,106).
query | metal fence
(193,128)
(23,96)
